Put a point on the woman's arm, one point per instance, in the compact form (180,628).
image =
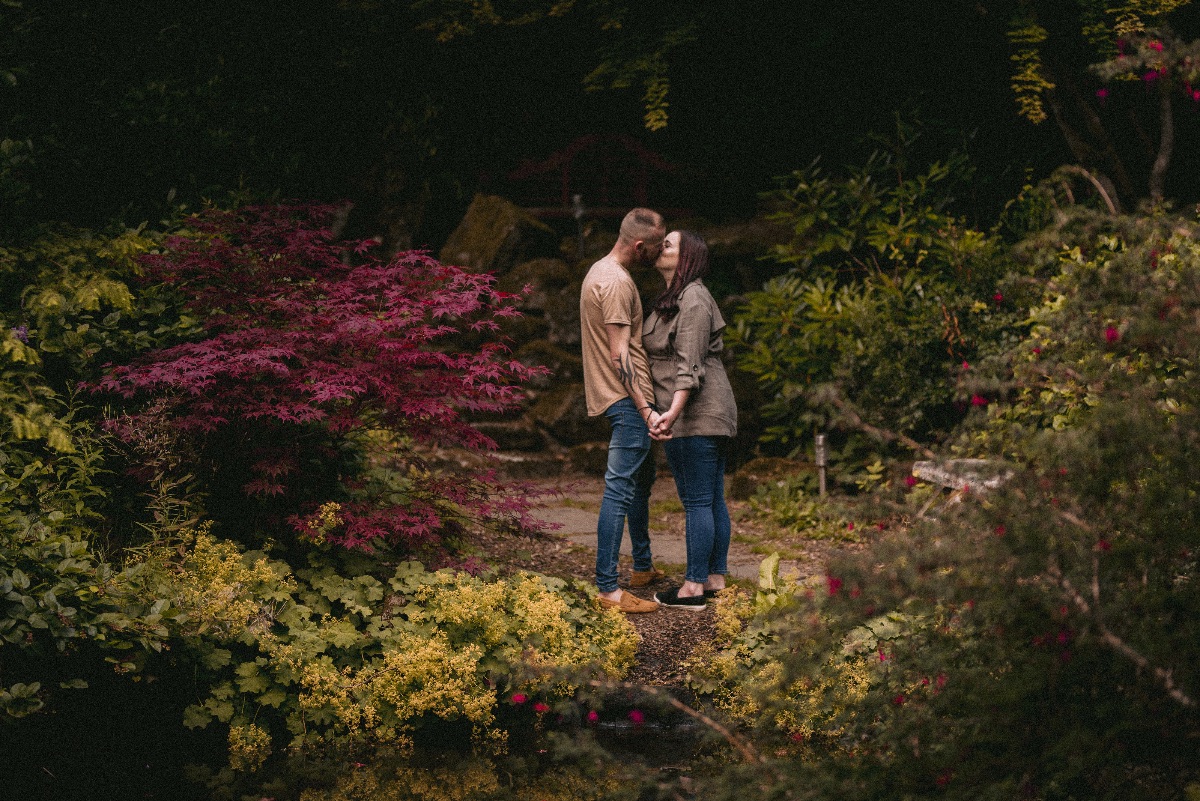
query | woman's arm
(693,326)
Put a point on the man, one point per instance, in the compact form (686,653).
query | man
(616,379)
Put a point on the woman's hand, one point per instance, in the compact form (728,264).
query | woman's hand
(665,421)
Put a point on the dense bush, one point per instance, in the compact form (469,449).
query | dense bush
(1038,641)
(306,346)
(888,299)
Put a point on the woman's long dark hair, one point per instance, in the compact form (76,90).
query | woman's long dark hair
(692,266)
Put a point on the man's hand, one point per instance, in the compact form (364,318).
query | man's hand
(658,431)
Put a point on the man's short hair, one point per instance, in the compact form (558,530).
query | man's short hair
(641,224)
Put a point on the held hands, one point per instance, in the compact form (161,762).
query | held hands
(657,430)
(660,424)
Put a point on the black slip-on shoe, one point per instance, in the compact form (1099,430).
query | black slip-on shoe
(671,598)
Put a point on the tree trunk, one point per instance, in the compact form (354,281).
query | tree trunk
(1166,144)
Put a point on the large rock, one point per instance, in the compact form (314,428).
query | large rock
(564,366)
(495,235)
(562,315)
(563,412)
(544,277)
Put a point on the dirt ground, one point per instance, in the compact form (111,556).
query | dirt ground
(668,636)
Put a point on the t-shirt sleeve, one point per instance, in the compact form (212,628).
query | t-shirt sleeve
(616,301)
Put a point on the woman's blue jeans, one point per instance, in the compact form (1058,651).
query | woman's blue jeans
(627,483)
(698,464)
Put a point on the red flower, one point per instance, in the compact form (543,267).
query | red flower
(849,527)
(593,716)
(998,298)
(1037,351)
(1104,545)
(1000,530)
(1111,334)
(910,481)
(882,656)
(540,707)
(519,698)
(1156,46)
(899,700)
(978,400)
(834,583)
(966,365)
(1102,93)
(637,717)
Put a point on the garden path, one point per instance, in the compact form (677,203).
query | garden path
(668,636)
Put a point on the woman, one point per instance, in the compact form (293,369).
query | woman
(682,337)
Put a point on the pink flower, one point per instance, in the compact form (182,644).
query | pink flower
(966,365)
(540,707)
(637,717)
(519,698)
(593,716)
(1102,93)
(978,400)
(849,527)
(899,700)
(1104,545)
(1150,76)
(1111,334)
(1156,45)
(941,680)
(998,298)
(834,583)
(910,481)
(882,656)
(1000,530)
(1037,351)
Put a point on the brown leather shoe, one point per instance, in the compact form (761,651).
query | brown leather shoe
(644,578)
(629,604)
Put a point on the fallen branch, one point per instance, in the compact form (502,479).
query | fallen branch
(1163,675)
(747,751)
(887,436)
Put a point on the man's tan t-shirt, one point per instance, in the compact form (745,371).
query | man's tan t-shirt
(610,296)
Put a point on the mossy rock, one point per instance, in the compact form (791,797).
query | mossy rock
(494,235)
(764,470)
(565,367)
(562,314)
(590,458)
(563,412)
(545,278)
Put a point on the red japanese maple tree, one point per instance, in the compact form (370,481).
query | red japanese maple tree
(307,337)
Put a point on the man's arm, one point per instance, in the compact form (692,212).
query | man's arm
(622,362)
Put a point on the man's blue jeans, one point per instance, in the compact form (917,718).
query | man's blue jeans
(698,464)
(627,483)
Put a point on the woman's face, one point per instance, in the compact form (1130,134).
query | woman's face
(669,258)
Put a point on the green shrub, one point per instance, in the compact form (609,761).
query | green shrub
(889,298)
(313,658)
(1040,640)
